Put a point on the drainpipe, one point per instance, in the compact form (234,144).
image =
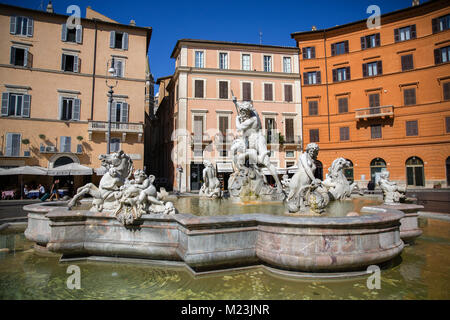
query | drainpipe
(326,79)
(93,71)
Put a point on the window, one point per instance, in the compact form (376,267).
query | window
(223,60)
(223,89)
(69,108)
(64,145)
(267,64)
(309,52)
(118,40)
(246,62)
(341,74)
(446,88)
(223,125)
(370,41)
(16,105)
(198,89)
(80,148)
(119,112)
(405,33)
(290,153)
(199,59)
(13,141)
(441,23)
(21,57)
(442,55)
(447,124)
(246,91)
(343,105)
(344,133)
(74,34)
(409,96)
(114,145)
(198,128)
(22,26)
(372,69)
(314,135)
(287,65)
(69,62)
(407,62)
(289,130)
(339,48)
(412,128)
(270,129)
(375,131)
(311,77)
(119,67)
(268,92)
(313,108)
(374,103)
(288,93)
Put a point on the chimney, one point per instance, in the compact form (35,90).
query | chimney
(415,3)
(314,28)
(50,7)
(132,23)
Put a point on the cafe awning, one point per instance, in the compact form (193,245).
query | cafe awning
(224,167)
(24,170)
(71,169)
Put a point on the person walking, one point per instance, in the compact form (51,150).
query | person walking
(54,190)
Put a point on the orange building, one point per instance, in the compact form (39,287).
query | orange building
(381,97)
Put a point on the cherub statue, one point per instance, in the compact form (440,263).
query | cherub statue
(392,193)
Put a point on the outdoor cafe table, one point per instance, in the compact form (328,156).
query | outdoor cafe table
(33,194)
(8,193)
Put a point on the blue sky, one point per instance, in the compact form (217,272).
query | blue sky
(228,20)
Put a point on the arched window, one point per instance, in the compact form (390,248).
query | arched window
(414,172)
(376,166)
(319,170)
(447,166)
(61,161)
(348,172)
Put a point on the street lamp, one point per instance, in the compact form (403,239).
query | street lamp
(112,72)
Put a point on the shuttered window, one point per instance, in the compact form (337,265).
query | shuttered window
(370,41)
(407,62)
(405,33)
(74,34)
(312,77)
(199,89)
(341,74)
(374,103)
(21,57)
(442,55)
(118,40)
(441,23)
(372,69)
(223,89)
(23,26)
(288,93)
(289,127)
(409,96)
(343,105)
(223,125)
(412,128)
(344,133)
(69,109)
(446,89)
(268,92)
(314,135)
(70,63)
(313,108)
(246,91)
(198,128)
(16,105)
(309,52)
(64,145)
(339,48)
(119,112)
(375,131)
(13,144)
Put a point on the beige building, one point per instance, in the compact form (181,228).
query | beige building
(200,91)
(54,97)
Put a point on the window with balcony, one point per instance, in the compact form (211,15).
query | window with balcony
(270,129)
(268,92)
(69,62)
(21,57)
(372,69)
(441,23)
(442,55)
(246,64)
(374,103)
(407,62)
(118,40)
(375,131)
(370,41)
(309,52)
(64,144)
(412,128)
(313,107)
(69,109)
(405,33)
(223,89)
(74,34)
(246,91)
(312,77)
(13,141)
(314,135)
(16,105)
(289,130)
(446,90)
(199,59)
(288,96)
(344,133)
(119,112)
(267,63)
(343,105)
(223,60)
(22,26)
(339,48)
(409,96)
(287,66)
(199,92)
(341,74)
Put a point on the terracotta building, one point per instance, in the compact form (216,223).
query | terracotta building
(53,87)
(380,97)
(206,75)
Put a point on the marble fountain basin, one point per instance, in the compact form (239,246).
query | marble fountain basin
(313,244)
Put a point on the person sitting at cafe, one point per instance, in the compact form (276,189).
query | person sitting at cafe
(41,190)
(25,191)
(54,190)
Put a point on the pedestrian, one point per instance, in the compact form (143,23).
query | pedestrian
(25,191)
(41,190)
(371,186)
(54,190)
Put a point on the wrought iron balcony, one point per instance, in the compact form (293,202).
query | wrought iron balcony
(374,112)
(200,139)
(292,140)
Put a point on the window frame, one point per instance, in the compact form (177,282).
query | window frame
(203,52)
(272,93)
(372,131)
(242,61)
(314,131)
(270,69)
(19,147)
(284,65)
(194,80)
(344,132)
(415,129)
(227,60)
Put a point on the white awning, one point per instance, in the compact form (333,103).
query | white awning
(292,169)
(224,167)
(71,169)
(100,171)
(266,172)
(27,170)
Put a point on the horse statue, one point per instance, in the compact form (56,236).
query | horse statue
(119,167)
(336,182)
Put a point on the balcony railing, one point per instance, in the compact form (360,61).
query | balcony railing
(122,127)
(292,140)
(374,112)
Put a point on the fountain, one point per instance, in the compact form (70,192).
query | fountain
(129,219)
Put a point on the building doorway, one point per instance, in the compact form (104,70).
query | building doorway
(196,176)
(376,166)
(348,172)
(447,167)
(318,174)
(414,172)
